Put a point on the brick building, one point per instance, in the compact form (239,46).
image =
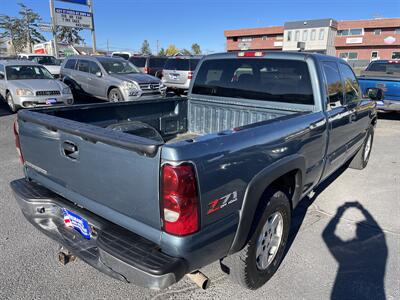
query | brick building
(358,41)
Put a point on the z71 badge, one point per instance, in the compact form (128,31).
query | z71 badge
(219,203)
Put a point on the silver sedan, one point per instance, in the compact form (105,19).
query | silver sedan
(25,84)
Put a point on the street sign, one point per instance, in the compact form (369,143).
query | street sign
(83,2)
(46,27)
(73,18)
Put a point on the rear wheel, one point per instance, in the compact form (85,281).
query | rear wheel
(361,159)
(255,264)
(115,95)
(10,101)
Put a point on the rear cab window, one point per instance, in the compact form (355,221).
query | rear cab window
(386,67)
(139,62)
(275,80)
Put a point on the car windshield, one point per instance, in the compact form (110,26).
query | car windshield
(384,67)
(27,72)
(45,60)
(119,66)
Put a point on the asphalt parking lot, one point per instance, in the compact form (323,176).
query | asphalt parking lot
(345,242)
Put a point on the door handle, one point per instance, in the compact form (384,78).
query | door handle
(70,150)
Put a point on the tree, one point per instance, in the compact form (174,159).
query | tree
(161,52)
(145,50)
(29,25)
(11,30)
(196,49)
(69,35)
(171,50)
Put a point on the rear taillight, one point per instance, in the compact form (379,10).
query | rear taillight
(179,199)
(146,70)
(190,75)
(17,142)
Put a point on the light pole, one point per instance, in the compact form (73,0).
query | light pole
(54,28)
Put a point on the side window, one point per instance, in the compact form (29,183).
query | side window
(83,66)
(351,87)
(70,64)
(94,67)
(1,72)
(334,83)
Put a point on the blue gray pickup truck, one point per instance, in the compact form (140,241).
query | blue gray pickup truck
(147,192)
(385,75)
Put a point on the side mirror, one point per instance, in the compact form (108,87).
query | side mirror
(375,94)
(98,74)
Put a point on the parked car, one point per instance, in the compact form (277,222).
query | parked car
(25,84)
(50,62)
(111,79)
(147,192)
(124,54)
(178,73)
(385,75)
(152,65)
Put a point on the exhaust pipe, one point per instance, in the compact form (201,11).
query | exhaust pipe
(200,279)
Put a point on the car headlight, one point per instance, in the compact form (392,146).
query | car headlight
(128,85)
(66,91)
(24,92)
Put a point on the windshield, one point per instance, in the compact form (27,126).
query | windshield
(45,60)
(263,79)
(119,67)
(384,67)
(27,72)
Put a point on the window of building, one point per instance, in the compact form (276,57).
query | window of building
(313,34)
(235,39)
(321,34)
(348,55)
(289,36)
(246,39)
(347,32)
(351,87)
(377,31)
(397,31)
(305,35)
(264,37)
(279,38)
(333,82)
(297,36)
(374,55)
(395,55)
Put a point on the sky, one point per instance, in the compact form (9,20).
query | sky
(124,24)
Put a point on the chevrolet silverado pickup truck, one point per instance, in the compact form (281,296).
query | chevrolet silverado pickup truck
(385,75)
(147,192)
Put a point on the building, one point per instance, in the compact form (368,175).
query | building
(358,41)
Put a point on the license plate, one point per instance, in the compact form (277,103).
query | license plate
(51,101)
(76,222)
(379,103)
(174,76)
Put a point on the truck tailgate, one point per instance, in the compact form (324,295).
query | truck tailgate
(112,174)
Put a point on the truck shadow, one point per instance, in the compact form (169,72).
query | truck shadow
(361,260)
(395,116)
(4,111)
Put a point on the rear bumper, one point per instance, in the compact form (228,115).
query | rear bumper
(389,105)
(112,250)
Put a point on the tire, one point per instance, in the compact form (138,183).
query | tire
(360,160)
(115,95)
(10,101)
(247,267)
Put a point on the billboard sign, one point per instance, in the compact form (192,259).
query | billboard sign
(83,2)
(73,18)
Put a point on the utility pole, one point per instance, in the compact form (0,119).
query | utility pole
(93,31)
(54,28)
(28,33)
